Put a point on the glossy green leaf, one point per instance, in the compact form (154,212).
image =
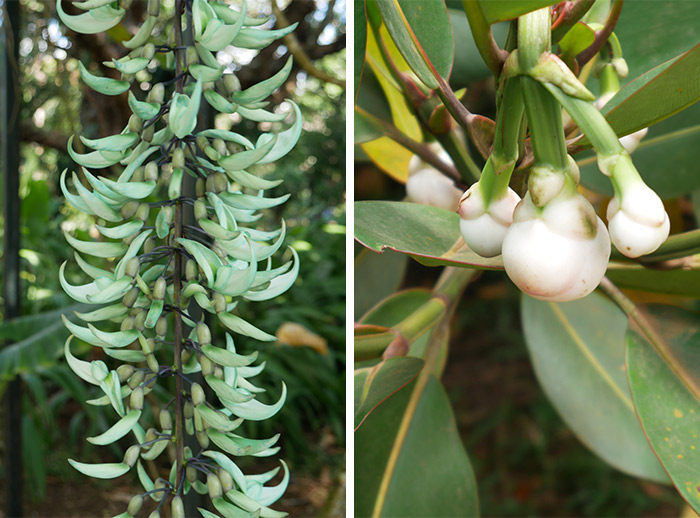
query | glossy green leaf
(241,327)
(118,430)
(579,38)
(422,31)
(412,459)
(428,234)
(501,10)
(103,85)
(376,276)
(667,411)
(105,471)
(577,351)
(672,282)
(91,22)
(656,94)
(360,41)
(375,385)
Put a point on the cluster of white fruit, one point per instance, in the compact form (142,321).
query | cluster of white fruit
(554,246)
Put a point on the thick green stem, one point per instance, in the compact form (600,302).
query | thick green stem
(534,37)
(546,128)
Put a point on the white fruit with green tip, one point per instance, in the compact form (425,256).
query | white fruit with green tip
(559,253)
(638,222)
(484,229)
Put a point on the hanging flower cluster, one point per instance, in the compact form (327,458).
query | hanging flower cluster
(173,255)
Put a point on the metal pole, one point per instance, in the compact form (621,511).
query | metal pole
(9,154)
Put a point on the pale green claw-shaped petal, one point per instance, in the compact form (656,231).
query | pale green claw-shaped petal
(155,450)
(207,260)
(112,143)
(74,200)
(230,510)
(206,74)
(264,89)
(132,66)
(240,326)
(215,230)
(118,430)
(219,102)
(254,182)
(175,185)
(227,358)
(92,4)
(217,419)
(132,252)
(135,163)
(248,202)
(245,159)
(278,285)
(81,368)
(99,20)
(95,202)
(285,140)
(258,115)
(121,231)
(117,339)
(225,392)
(103,85)
(229,15)
(207,514)
(142,34)
(184,110)
(154,313)
(254,410)
(250,505)
(142,109)
(96,159)
(146,481)
(132,190)
(104,250)
(258,39)
(227,464)
(273,493)
(104,471)
(104,400)
(162,224)
(228,136)
(240,446)
(78,293)
(112,388)
(114,291)
(105,313)
(206,56)
(202,13)
(82,333)
(125,355)
(219,35)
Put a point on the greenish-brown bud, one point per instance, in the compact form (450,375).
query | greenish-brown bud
(143,211)
(166,421)
(156,94)
(136,399)
(150,173)
(133,266)
(202,439)
(203,333)
(162,326)
(207,366)
(131,455)
(219,302)
(152,363)
(232,83)
(124,372)
(147,134)
(191,270)
(135,505)
(129,209)
(200,187)
(198,396)
(226,480)
(159,288)
(131,296)
(153,7)
(135,124)
(140,320)
(191,56)
(149,50)
(200,210)
(177,507)
(136,379)
(127,323)
(214,486)
(178,158)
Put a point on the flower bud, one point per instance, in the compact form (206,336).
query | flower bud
(166,421)
(152,363)
(162,326)
(178,158)
(129,209)
(136,399)
(203,439)
(430,187)
(214,486)
(124,372)
(226,480)
(150,173)
(132,455)
(197,392)
(558,253)
(136,379)
(191,271)
(135,505)
(191,474)
(483,229)
(207,366)
(200,210)
(631,141)
(177,507)
(156,94)
(143,211)
(638,223)
(203,333)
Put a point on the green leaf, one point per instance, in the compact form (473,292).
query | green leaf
(579,38)
(671,282)
(360,41)
(667,411)
(118,430)
(33,456)
(421,30)
(428,234)
(412,459)
(502,10)
(656,94)
(103,85)
(375,385)
(376,276)
(104,471)
(577,351)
